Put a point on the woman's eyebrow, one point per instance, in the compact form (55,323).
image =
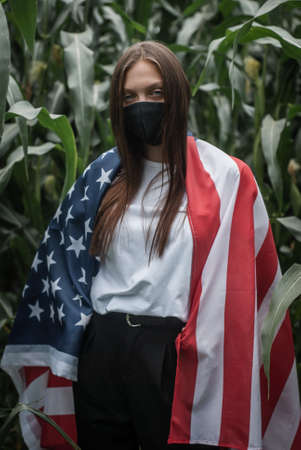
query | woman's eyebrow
(158,84)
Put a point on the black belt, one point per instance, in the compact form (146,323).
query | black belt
(134,320)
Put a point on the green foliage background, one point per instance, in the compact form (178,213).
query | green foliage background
(242,58)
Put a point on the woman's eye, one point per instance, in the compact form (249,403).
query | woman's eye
(157,93)
(128,97)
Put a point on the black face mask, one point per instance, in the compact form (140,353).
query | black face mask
(143,122)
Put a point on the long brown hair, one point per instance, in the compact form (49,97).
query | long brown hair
(174,130)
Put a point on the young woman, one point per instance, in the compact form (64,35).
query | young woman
(170,356)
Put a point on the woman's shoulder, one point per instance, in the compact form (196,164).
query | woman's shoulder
(109,158)
(87,191)
(218,161)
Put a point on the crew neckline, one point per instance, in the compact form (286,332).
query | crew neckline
(155,164)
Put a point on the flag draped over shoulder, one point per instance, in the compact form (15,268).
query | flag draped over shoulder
(220,390)
(56,308)
(220,395)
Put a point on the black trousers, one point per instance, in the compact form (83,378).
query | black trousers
(125,383)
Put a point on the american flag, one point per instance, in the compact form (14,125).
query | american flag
(56,308)
(220,395)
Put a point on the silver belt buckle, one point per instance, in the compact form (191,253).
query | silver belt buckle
(130,324)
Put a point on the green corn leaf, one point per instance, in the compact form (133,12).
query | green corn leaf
(135,25)
(248,7)
(293,111)
(295,197)
(209,87)
(268,41)
(290,45)
(99,92)
(4,65)
(36,150)
(223,110)
(269,6)
(13,218)
(14,412)
(293,224)
(191,25)
(193,7)
(60,20)
(56,97)
(52,423)
(171,9)
(258,161)
(18,221)
(86,37)
(199,82)
(7,307)
(61,126)
(14,95)
(79,64)
(144,11)
(5,174)
(22,407)
(117,23)
(243,33)
(270,137)
(286,291)
(78,11)
(25,17)
(259,102)
(213,46)
(10,132)
(177,48)
(17,156)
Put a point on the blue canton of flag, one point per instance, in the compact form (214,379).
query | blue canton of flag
(56,306)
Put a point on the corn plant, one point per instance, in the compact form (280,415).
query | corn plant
(242,58)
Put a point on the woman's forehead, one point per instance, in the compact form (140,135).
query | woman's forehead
(142,72)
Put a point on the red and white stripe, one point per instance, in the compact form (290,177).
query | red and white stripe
(220,391)
(52,395)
